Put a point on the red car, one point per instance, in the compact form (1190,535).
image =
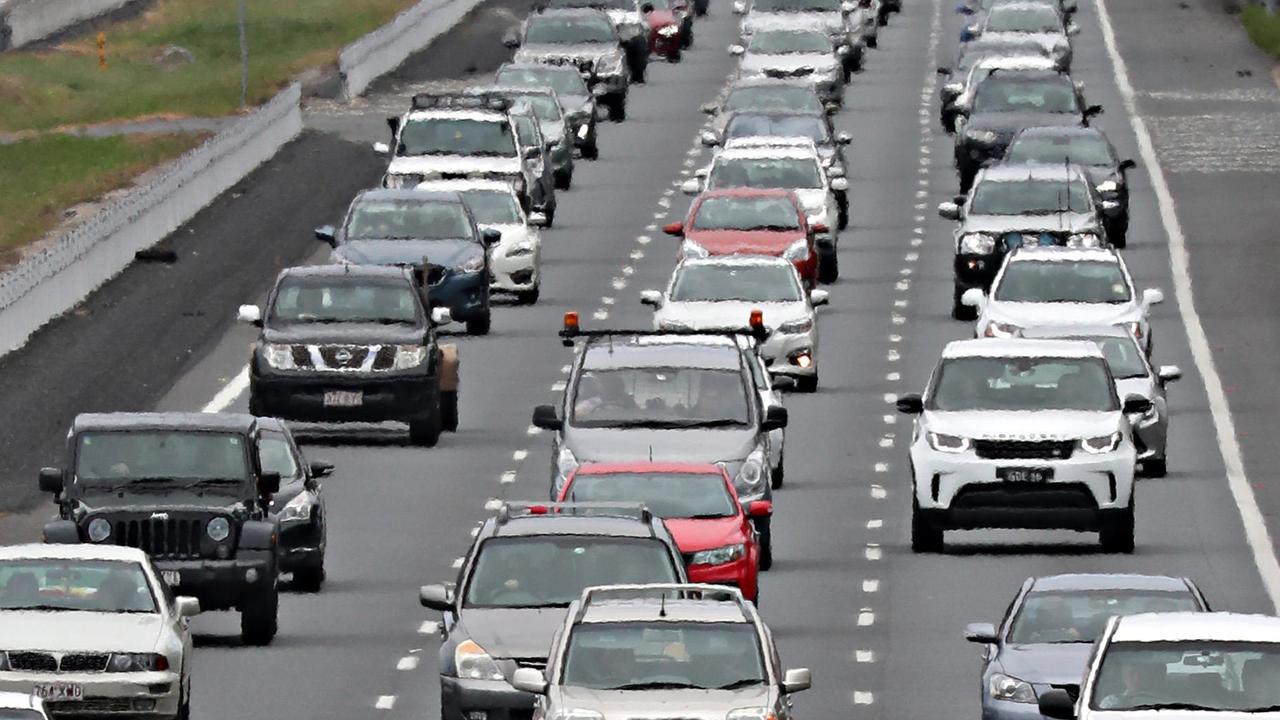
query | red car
(748,221)
(700,507)
(670,27)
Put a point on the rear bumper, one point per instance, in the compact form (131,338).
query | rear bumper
(222,584)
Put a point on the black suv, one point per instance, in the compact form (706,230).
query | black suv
(346,343)
(188,489)
(524,568)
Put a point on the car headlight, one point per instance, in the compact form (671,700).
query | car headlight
(668,31)
(719,556)
(278,356)
(751,713)
(99,529)
(297,510)
(1083,240)
(574,714)
(1101,444)
(1108,186)
(218,529)
(474,663)
(982,136)
(798,250)
(472,264)
(691,249)
(948,443)
(1001,330)
(977,244)
(750,477)
(583,131)
(137,662)
(1011,689)
(410,356)
(796,326)
(520,249)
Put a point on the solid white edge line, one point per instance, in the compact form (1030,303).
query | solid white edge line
(1255,527)
(229,392)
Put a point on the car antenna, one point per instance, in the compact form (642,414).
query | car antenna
(650,453)
(662,607)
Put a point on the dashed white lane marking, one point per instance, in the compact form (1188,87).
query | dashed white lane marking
(872,552)
(664,203)
(893,355)
(886,441)
(408,662)
(651,227)
(619,283)
(671,190)
(870,586)
(507,477)
(600,314)
(492,504)
(905,271)
(429,627)
(532,430)
(922,193)
(474,531)
(882,467)
(878,492)
(385,702)
(891,398)
(457,563)
(864,656)
(898,319)
(875,524)
(643,239)
(921,206)
(628,270)
(911,256)
(659,215)
(564,369)
(558,386)
(637,254)
(902,285)
(866,617)
(229,392)
(918,230)
(606,300)
(919,218)
(861,697)
(889,419)
(917,242)
(519,455)
(901,303)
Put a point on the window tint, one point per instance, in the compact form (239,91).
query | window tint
(1023,383)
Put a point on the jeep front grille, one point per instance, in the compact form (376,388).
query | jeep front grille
(167,539)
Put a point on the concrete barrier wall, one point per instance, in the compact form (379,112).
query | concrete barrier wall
(386,48)
(51,281)
(25,21)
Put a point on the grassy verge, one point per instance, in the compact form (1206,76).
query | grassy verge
(1263,28)
(43,89)
(41,177)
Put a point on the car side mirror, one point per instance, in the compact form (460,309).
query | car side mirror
(910,404)
(783,382)
(844,138)
(839,184)
(1093,110)
(441,316)
(848,7)
(710,109)
(382,148)
(737,50)
(980,633)
(250,315)
(949,211)
(321,468)
(692,186)
(775,418)
(530,680)
(1057,704)
(1128,164)
(511,39)
(268,483)
(51,480)
(1152,296)
(1136,405)
(490,237)
(1169,373)
(797,679)
(760,508)
(436,597)
(538,219)
(945,71)
(674,229)
(186,607)
(819,297)
(327,233)
(545,417)
(974,298)
(709,139)
(652,298)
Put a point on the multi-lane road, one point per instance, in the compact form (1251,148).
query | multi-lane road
(880,627)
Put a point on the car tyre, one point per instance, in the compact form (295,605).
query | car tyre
(778,476)
(480,325)
(564,179)
(528,297)
(449,410)
(1155,468)
(259,616)
(1116,535)
(426,431)
(618,109)
(184,706)
(591,152)
(1118,235)
(766,549)
(925,536)
(807,384)
(828,266)
(675,56)
(309,579)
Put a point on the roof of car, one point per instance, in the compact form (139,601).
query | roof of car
(1053,253)
(464,185)
(637,351)
(519,90)
(1015,62)
(1109,581)
(82,551)
(649,467)
(347,270)
(568,12)
(458,114)
(767,151)
(787,112)
(1027,76)
(1021,172)
(1020,347)
(539,66)
(655,611)
(215,422)
(736,261)
(757,81)
(1224,626)
(411,194)
(561,524)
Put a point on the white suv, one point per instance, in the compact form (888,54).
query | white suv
(1022,434)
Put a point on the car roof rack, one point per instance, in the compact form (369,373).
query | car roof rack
(631,511)
(754,327)
(661,592)
(461,100)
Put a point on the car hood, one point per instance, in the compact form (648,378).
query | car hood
(744,242)
(584,51)
(756,63)
(430,166)
(1025,314)
(1022,425)
(512,234)
(512,632)
(71,631)
(683,704)
(204,500)
(728,313)
(1000,224)
(705,534)
(687,445)
(344,334)
(446,253)
(1047,40)
(1046,663)
(1005,124)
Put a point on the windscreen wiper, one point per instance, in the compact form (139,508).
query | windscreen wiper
(658,685)
(744,682)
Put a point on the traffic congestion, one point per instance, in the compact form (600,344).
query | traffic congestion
(530,438)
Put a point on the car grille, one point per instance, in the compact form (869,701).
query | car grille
(33,661)
(344,358)
(1024,449)
(162,538)
(83,662)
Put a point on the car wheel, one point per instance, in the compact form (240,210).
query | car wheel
(960,311)
(449,410)
(842,216)
(778,476)
(309,579)
(259,616)
(564,179)
(480,325)
(873,41)
(184,707)
(1155,468)
(1116,535)
(949,123)
(807,384)
(925,536)
(967,174)
(675,56)
(591,152)
(618,110)
(426,431)
(828,266)
(766,547)
(1118,236)
(528,297)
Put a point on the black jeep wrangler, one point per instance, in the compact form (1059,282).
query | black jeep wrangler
(186,488)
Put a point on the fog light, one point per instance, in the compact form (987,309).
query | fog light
(251,575)
(144,705)
(803,360)
(160,688)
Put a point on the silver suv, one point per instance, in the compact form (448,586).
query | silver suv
(642,650)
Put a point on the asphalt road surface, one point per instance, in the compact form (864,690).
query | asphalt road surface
(880,627)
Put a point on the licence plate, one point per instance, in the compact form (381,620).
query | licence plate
(172,578)
(343,398)
(1025,475)
(58,691)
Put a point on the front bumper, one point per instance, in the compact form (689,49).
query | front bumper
(136,694)
(666,46)
(222,584)
(465,294)
(514,274)
(1008,710)
(463,698)
(301,545)
(300,396)
(741,574)
(783,353)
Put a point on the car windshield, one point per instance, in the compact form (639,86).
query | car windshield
(1081,616)
(973,52)
(406,220)
(601,4)
(752,283)
(1023,383)
(80,585)
(1024,96)
(667,495)
(331,300)
(664,398)
(568,30)
(456,136)
(1030,197)
(1062,149)
(544,107)
(122,456)
(1189,675)
(492,207)
(774,97)
(671,655)
(765,173)
(564,82)
(785,42)
(1042,281)
(807,126)
(746,213)
(552,570)
(1034,19)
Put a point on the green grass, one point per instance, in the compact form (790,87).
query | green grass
(44,89)
(1263,28)
(41,177)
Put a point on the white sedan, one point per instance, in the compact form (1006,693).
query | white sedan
(722,292)
(92,630)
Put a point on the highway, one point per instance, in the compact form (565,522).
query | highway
(880,627)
